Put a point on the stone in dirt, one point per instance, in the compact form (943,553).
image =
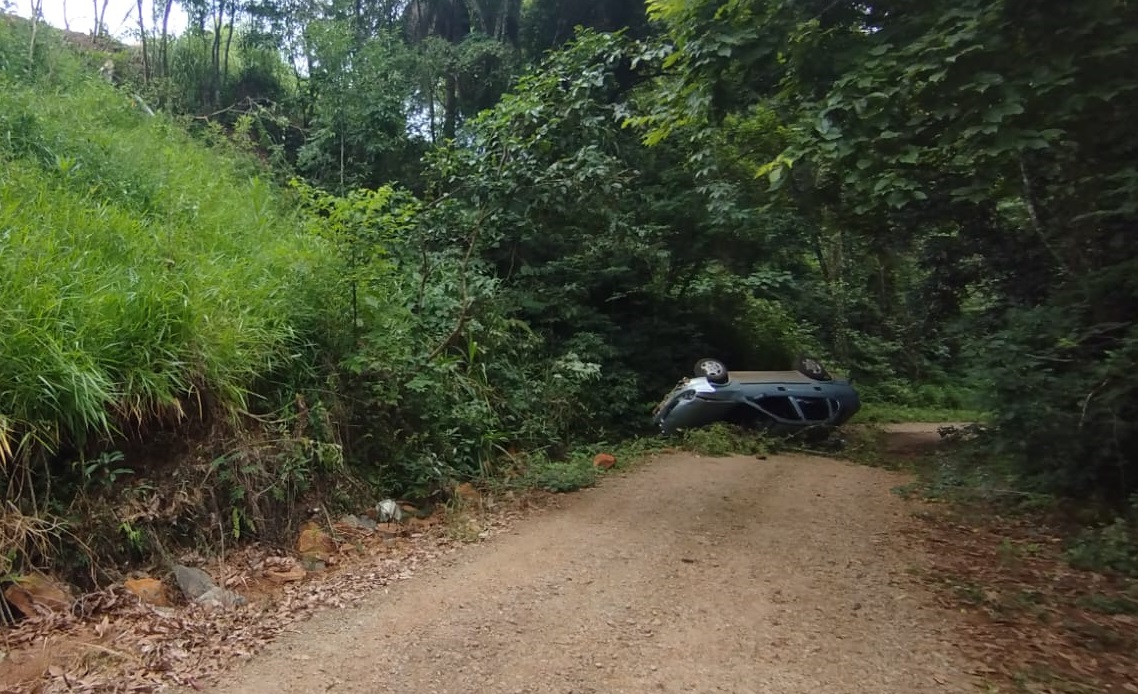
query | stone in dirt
(149,590)
(198,587)
(220,597)
(296,573)
(36,594)
(314,544)
(604,461)
(193,581)
(360,522)
(311,564)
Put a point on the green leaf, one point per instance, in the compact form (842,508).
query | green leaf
(775,177)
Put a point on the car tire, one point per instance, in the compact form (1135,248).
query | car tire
(713,370)
(812,368)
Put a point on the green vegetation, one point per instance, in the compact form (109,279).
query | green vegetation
(722,439)
(886,413)
(141,273)
(1112,604)
(576,472)
(947,151)
(1109,547)
(891,401)
(326,250)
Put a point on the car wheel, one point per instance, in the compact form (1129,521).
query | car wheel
(713,370)
(812,368)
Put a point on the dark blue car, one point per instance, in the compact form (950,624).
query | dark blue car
(782,401)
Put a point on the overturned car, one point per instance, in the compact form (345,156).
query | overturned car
(807,398)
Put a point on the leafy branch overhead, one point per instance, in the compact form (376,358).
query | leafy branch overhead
(988,136)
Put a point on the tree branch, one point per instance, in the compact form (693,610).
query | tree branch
(464,312)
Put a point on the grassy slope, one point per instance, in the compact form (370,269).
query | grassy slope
(136,265)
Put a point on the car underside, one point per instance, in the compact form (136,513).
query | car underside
(785,401)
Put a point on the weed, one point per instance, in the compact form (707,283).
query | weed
(970,593)
(1110,548)
(28,540)
(561,476)
(1040,678)
(104,470)
(134,537)
(866,445)
(722,439)
(1123,603)
(1012,553)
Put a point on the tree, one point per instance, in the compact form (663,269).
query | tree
(547,24)
(463,25)
(100,15)
(989,132)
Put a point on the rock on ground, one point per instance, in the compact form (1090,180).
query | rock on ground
(692,574)
(199,587)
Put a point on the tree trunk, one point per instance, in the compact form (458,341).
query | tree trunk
(431,97)
(215,54)
(37,10)
(358,22)
(166,37)
(229,38)
(100,17)
(450,106)
(164,49)
(145,49)
(478,16)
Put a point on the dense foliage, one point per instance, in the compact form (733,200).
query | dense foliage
(986,140)
(398,243)
(139,269)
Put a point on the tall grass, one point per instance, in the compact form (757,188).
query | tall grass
(138,268)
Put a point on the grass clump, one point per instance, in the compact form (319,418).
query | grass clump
(146,279)
(577,470)
(1112,547)
(721,439)
(1122,603)
(560,476)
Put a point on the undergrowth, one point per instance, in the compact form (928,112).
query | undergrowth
(721,439)
(576,470)
(1110,546)
(1098,536)
(889,413)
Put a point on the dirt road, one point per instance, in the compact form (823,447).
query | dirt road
(690,574)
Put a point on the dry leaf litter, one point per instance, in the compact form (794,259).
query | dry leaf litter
(117,643)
